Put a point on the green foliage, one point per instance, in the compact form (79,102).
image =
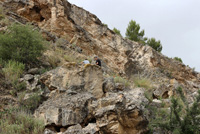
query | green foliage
(148,95)
(155,44)
(20,86)
(21,43)
(54,60)
(117,31)
(2,15)
(44,70)
(12,70)
(178,59)
(133,32)
(106,25)
(2,62)
(20,122)
(71,58)
(182,118)
(32,102)
(119,79)
(142,82)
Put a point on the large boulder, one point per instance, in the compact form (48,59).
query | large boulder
(121,113)
(72,76)
(64,109)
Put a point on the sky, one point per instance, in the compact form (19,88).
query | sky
(176,23)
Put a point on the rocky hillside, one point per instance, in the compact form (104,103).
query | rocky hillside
(90,99)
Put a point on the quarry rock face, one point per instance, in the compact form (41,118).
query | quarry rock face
(82,104)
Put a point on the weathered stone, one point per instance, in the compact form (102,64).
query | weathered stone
(32,82)
(74,77)
(65,110)
(120,86)
(33,71)
(108,85)
(76,95)
(121,113)
(28,77)
(157,103)
(163,91)
(77,129)
(48,131)
(91,128)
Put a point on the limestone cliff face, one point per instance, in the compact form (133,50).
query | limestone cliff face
(78,27)
(77,99)
(85,30)
(82,100)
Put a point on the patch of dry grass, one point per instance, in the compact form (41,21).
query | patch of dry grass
(142,82)
(20,122)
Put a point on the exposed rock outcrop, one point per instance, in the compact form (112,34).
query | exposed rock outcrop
(85,30)
(73,77)
(81,105)
(80,99)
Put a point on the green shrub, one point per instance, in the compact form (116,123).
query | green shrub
(155,44)
(106,25)
(178,59)
(142,82)
(2,62)
(21,43)
(18,87)
(20,122)
(44,70)
(149,95)
(32,102)
(115,30)
(2,15)
(54,60)
(119,79)
(12,70)
(134,33)
(181,118)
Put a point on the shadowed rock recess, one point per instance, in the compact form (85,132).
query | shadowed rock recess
(84,99)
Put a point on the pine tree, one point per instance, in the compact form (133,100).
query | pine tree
(155,44)
(133,32)
(182,119)
(117,31)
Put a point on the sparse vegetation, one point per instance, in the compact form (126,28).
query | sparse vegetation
(43,70)
(155,44)
(54,60)
(149,95)
(178,59)
(142,82)
(2,15)
(2,62)
(12,70)
(133,32)
(32,102)
(60,42)
(117,31)
(19,122)
(106,25)
(21,43)
(71,58)
(180,119)
(119,79)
